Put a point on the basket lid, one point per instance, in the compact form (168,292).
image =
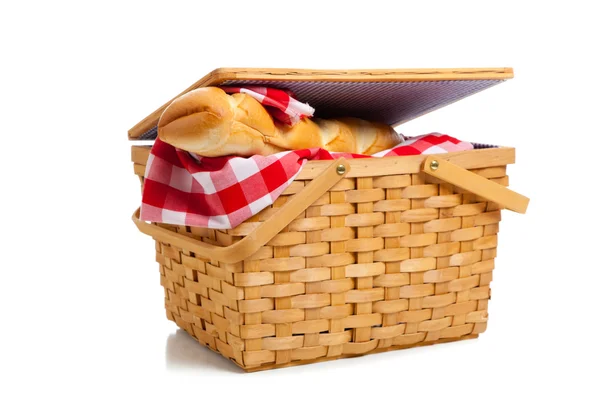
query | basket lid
(391,96)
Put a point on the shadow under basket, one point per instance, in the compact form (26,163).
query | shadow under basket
(356,256)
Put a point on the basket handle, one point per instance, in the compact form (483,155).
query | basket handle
(266,231)
(474,183)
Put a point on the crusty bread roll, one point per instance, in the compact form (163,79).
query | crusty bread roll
(211,123)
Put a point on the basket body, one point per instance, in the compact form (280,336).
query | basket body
(383,260)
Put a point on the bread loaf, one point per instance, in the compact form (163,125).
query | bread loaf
(211,123)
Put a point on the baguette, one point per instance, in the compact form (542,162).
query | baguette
(211,123)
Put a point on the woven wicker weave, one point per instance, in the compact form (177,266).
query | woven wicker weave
(377,262)
(356,256)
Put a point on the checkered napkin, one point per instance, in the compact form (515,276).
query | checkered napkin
(279,103)
(222,192)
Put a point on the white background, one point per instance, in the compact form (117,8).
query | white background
(82,308)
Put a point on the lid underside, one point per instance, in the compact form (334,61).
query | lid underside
(385,100)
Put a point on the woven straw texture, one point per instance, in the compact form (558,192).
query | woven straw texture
(377,263)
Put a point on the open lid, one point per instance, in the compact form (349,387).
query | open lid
(391,96)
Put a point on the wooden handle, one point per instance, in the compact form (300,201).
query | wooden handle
(474,183)
(265,231)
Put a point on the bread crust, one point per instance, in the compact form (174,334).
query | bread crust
(209,122)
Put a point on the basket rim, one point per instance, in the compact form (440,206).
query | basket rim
(364,167)
(392,165)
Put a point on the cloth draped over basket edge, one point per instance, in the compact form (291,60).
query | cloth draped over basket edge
(221,192)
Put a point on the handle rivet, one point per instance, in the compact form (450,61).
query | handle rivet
(341,169)
(434,165)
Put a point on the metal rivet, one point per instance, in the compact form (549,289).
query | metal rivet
(341,169)
(434,165)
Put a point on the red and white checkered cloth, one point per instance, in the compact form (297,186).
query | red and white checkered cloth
(222,192)
(281,104)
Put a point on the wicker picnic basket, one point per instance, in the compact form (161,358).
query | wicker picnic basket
(356,256)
